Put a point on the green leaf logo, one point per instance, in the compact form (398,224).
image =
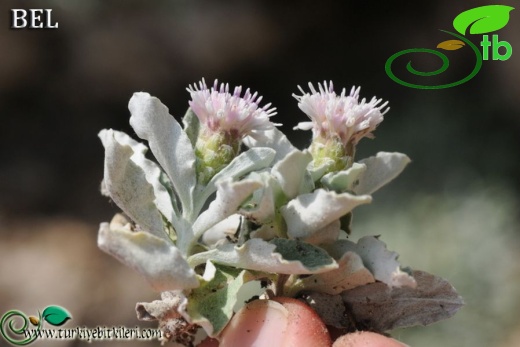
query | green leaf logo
(56,315)
(482,20)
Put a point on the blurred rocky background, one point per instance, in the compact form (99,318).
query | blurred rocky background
(454,212)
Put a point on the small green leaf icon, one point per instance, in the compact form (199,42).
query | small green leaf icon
(482,20)
(56,315)
(451,45)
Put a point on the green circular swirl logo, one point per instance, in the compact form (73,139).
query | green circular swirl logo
(14,325)
(9,321)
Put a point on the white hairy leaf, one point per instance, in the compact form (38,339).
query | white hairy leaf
(156,259)
(280,256)
(290,172)
(381,169)
(344,181)
(272,138)
(350,273)
(252,160)
(311,212)
(381,262)
(132,182)
(169,144)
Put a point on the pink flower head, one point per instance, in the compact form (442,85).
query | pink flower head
(342,116)
(221,111)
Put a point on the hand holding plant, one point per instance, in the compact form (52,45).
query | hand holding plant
(208,219)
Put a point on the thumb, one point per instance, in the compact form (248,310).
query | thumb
(281,322)
(366,339)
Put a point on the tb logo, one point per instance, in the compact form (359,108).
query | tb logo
(479,20)
(495,44)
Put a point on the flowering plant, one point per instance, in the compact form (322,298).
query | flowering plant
(207,217)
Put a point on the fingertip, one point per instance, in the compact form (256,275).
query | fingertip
(280,322)
(209,342)
(366,339)
(259,323)
(305,328)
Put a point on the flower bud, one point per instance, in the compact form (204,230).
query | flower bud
(225,119)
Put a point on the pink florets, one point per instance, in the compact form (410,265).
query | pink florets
(341,115)
(221,111)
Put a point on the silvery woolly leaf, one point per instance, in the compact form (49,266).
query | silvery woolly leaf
(286,180)
(381,262)
(218,234)
(383,308)
(211,304)
(156,259)
(191,126)
(253,159)
(309,213)
(272,138)
(230,195)
(260,209)
(280,256)
(343,181)
(327,234)
(169,143)
(132,182)
(268,231)
(381,169)
(317,172)
(291,173)
(264,218)
(350,273)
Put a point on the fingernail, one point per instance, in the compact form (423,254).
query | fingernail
(261,323)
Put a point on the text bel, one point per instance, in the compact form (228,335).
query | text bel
(32,19)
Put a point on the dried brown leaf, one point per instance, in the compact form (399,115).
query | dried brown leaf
(381,308)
